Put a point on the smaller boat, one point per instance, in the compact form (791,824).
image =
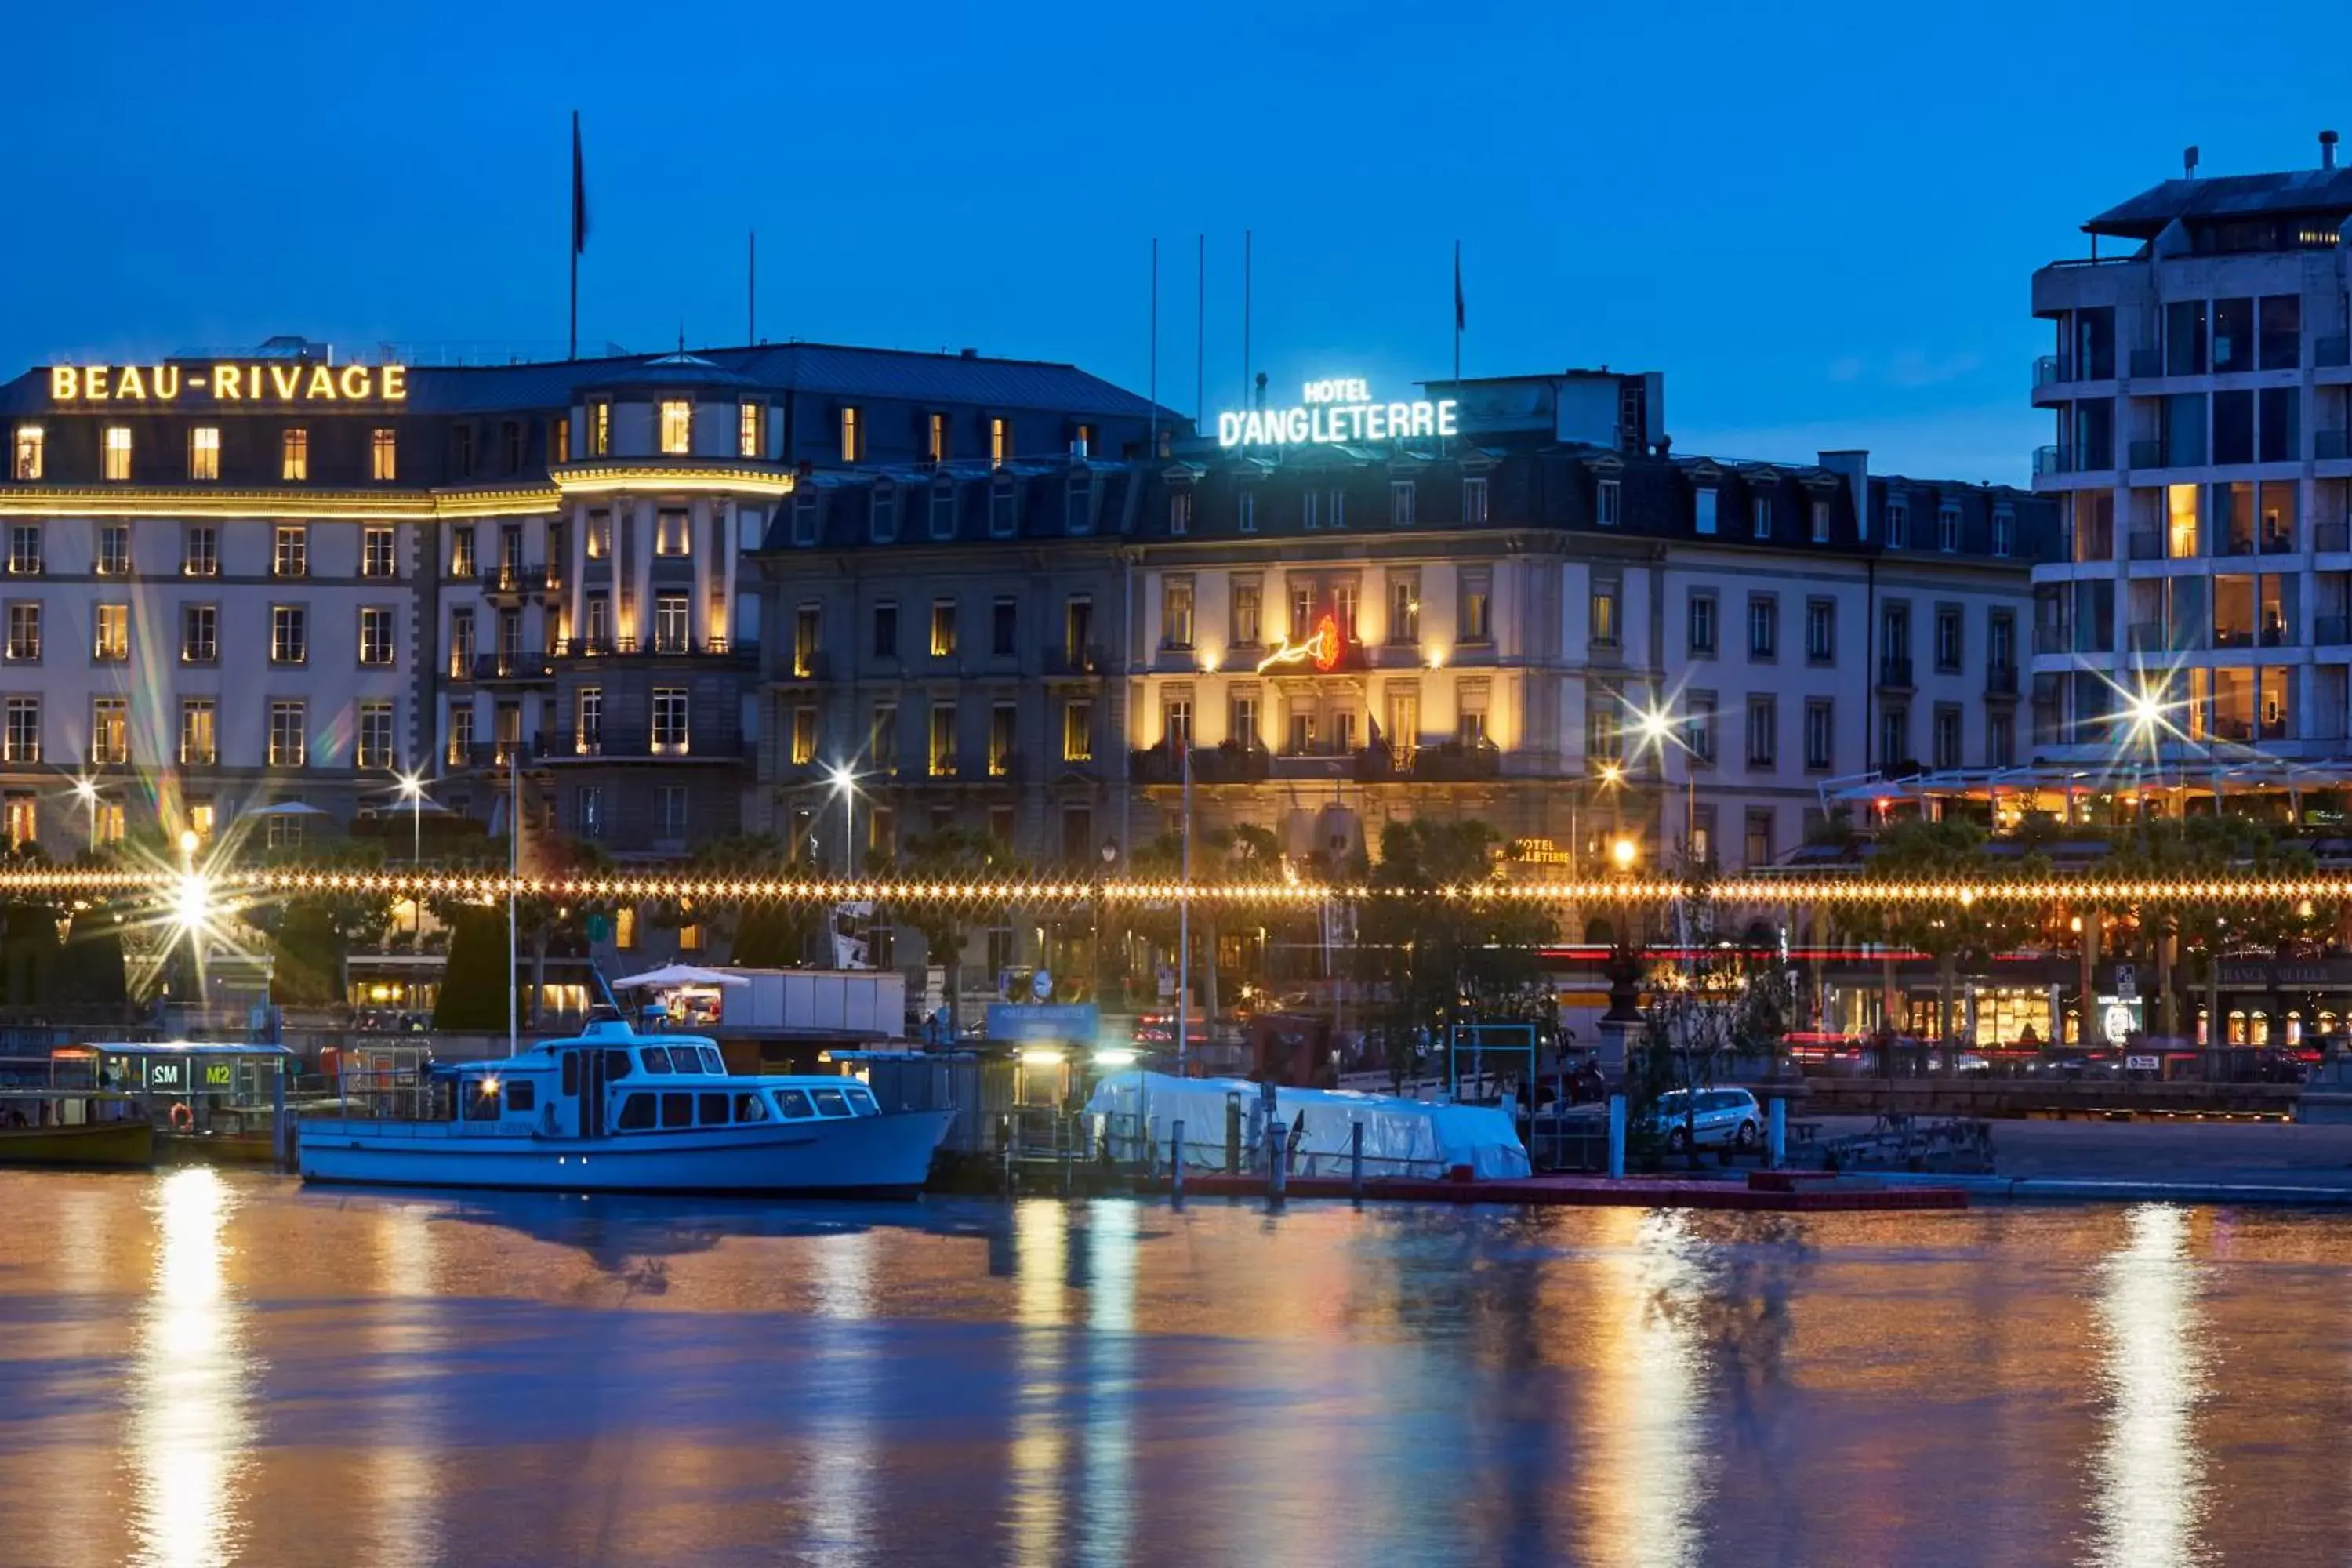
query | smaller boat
(130,1143)
(611,1111)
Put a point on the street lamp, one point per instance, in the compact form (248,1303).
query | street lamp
(844,785)
(85,790)
(412,790)
(1656,728)
(1623,852)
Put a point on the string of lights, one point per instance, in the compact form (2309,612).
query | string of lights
(282,881)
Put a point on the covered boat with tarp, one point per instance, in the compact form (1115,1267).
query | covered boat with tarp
(1225,1123)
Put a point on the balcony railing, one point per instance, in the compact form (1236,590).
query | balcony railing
(2000,680)
(2143,454)
(500,578)
(2146,636)
(2331,353)
(2147,364)
(2147,544)
(2331,631)
(1228,763)
(516,666)
(2048,460)
(1067,660)
(2332,538)
(2328,445)
(1895,672)
(2046,371)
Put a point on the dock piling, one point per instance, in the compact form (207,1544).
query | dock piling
(1277,1160)
(1176,1161)
(1776,1144)
(1356,1161)
(1617,1137)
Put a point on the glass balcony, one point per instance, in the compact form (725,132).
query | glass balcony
(2145,455)
(2331,353)
(2329,444)
(2147,364)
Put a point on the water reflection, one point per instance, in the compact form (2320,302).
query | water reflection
(191,1424)
(2149,1495)
(1040,1233)
(841,1443)
(1106,1508)
(1645,1495)
(407,1336)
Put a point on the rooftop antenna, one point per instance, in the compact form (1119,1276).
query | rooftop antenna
(1201,337)
(751,291)
(1154,449)
(1246,317)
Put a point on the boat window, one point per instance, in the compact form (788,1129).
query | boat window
(677,1111)
(793,1104)
(751,1107)
(636,1113)
(685,1058)
(713,1062)
(522,1095)
(829,1102)
(571,1073)
(656,1058)
(861,1100)
(616,1065)
(481,1099)
(713,1110)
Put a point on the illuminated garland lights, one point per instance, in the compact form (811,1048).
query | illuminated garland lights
(625,888)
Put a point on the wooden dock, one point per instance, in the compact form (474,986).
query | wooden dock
(1766,1192)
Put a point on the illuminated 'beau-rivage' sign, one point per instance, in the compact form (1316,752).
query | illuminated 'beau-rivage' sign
(1333,413)
(226,382)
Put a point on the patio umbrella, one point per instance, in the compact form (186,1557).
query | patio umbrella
(677,974)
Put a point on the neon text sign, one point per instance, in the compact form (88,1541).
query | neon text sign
(1333,412)
(227,382)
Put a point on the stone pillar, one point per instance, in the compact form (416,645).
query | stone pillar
(639,557)
(728,549)
(699,514)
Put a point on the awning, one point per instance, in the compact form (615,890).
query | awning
(671,976)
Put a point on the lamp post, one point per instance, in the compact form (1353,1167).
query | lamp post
(844,785)
(412,790)
(85,790)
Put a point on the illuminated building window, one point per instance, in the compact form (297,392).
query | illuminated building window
(25,550)
(882,738)
(624,919)
(1176,721)
(384,454)
(1343,607)
(291,550)
(1000,441)
(461,735)
(559,439)
(375,747)
(1404,717)
(200,552)
(376,553)
(1241,718)
(1604,616)
(600,429)
(24,631)
(807,633)
(852,436)
(199,634)
(670,720)
(943,628)
(24,820)
(201,818)
(1605,503)
(114,550)
(375,635)
(689,936)
(116,452)
(670,624)
(1248,613)
(676,427)
(462,562)
(1001,719)
(942,754)
(199,746)
(1404,607)
(110,633)
(600,623)
(290,635)
(1179,513)
(673,533)
(1078,732)
(294,454)
(1477,608)
(747,430)
(1470,715)
(109,823)
(23,733)
(1176,612)
(32,452)
(938,442)
(599,538)
(1082,441)
(461,644)
(1473,502)
(588,720)
(1401,500)
(2180,520)
(804,736)
(204,452)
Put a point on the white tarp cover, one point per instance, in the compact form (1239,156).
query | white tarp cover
(1401,1137)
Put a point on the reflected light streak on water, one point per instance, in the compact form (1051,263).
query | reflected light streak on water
(2149,1491)
(841,1440)
(190,1424)
(402,1483)
(1106,1506)
(1040,1237)
(1646,1498)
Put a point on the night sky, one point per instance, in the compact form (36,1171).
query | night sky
(1821,229)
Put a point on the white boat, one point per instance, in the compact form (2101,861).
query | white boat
(612,1111)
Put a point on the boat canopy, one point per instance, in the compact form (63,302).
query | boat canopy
(1401,1137)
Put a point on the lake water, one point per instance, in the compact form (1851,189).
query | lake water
(204,1367)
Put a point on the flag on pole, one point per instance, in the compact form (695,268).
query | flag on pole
(1457,286)
(580,196)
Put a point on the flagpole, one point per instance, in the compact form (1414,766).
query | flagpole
(1458,317)
(579,234)
(751,291)
(514,874)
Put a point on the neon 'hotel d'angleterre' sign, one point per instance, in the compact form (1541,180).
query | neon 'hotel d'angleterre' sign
(1334,413)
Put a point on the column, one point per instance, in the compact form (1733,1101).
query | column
(576,570)
(728,551)
(640,559)
(698,545)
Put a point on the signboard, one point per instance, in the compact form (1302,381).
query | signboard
(1333,412)
(1041,985)
(1058,1024)
(2119,1019)
(2127,980)
(167,1075)
(2143,1064)
(1323,648)
(225,381)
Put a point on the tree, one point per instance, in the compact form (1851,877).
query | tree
(312,933)
(1953,932)
(759,933)
(953,856)
(2215,848)
(543,921)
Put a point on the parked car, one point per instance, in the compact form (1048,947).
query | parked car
(1723,1116)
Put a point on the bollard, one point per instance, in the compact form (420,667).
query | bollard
(1356,1160)
(1004,1142)
(1277,1160)
(1176,1161)
(280,1127)
(1064,1137)
(1616,1136)
(1233,1133)
(1776,1144)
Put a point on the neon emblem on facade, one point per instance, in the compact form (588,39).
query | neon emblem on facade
(1330,413)
(1321,648)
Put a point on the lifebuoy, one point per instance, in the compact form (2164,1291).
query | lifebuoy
(182,1118)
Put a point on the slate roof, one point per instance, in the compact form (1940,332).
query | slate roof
(2228,196)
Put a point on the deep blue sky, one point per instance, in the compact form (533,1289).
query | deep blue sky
(1820,228)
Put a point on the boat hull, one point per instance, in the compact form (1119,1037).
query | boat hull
(868,1155)
(126,1143)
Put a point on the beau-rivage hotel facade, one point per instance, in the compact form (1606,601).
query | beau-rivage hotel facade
(676,593)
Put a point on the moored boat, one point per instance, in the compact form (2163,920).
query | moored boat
(126,1142)
(614,1111)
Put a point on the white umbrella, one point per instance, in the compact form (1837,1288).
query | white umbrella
(677,974)
(287,808)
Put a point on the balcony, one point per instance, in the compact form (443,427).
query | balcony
(808,665)
(2331,631)
(2146,636)
(513,580)
(2048,460)
(2053,639)
(2147,364)
(614,743)
(2144,455)
(1228,763)
(1068,662)
(1453,762)
(2331,353)
(1895,673)
(512,665)
(631,647)
(2046,371)
(2000,682)
(2147,544)
(2332,538)
(2330,446)
(461,664)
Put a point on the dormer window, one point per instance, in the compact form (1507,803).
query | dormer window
(600,429)
(747,430)
(676,427)
(852,435)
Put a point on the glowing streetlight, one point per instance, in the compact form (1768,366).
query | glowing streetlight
(1623,852)
(85,790)
(412,790)
(189,841)
(844,785)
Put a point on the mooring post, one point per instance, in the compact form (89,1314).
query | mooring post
(1277,1151)
(1067,1135)
(1616,1136)
(1176,1161)
(1005,1144)
(1356,1159)
(1777,1141)
(281,1129)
